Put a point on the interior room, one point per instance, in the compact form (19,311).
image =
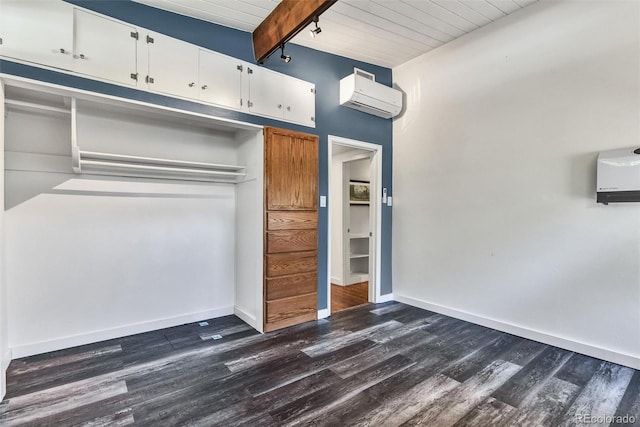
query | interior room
(320,212)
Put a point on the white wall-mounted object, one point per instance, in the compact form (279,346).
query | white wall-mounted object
(619,176)
(367,95)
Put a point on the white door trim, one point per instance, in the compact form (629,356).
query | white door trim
(376,220)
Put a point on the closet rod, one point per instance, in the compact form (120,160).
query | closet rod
(84,162)
(108,156)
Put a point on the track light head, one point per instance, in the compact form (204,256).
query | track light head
(314,32)
(285,58)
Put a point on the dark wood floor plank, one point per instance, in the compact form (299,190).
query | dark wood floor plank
(579,369)
(399,345)
(294,372)
(454,405)
(547,405)
(535,373)
(285,394)
(491,412)
(343,341)
(381,365)
(401,407)
(482,357)
(312,404)
(630,404)
(524,352)
(602,395)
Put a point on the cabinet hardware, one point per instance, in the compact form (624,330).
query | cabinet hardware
(62,50)
(134,76)
(313,119)
(134,34)
(148,79)
(240,68)
(279,106)
(250,104)
(192,84)
(149,39)
(241,102)
(81,56)
(313,90)
(0,40)
(204,87)
(249,70)
(288,108)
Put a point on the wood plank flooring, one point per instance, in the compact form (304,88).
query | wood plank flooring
(343,297)
(375,365)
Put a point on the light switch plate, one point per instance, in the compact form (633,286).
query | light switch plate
(389,201)
(323,201)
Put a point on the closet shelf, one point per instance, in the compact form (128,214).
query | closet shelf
(358,235)
(358,256)
(32,106)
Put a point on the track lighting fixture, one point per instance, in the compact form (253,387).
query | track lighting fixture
(285,58)
(316,30)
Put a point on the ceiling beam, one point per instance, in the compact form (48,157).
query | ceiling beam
(283,23)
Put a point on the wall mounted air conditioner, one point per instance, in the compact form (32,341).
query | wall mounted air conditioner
(619,176)
(360,91)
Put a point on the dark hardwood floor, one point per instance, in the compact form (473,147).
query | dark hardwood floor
(384,365)
(344,297)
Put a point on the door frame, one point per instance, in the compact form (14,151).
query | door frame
(376,212)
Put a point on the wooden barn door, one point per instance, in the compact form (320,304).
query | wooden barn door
(291,228)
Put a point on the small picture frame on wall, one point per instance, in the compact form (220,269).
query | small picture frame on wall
(359,192)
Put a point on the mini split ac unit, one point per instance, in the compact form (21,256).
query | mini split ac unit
(360,91)
(619,176)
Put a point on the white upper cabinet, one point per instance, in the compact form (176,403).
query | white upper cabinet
(173,65)
(299,101)
(282,97)
(265,92)
(220,79)
(57,34)
(104,48)
(37,31)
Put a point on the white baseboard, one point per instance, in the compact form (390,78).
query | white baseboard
(336,281)
(250,319)
(4,364)
(117,332)
(567,344)
(385,298)
(323,314)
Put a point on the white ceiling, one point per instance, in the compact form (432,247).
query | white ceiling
(381,32)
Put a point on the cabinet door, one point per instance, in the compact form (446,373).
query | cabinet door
(220,79)
(104,48)
(173,65)
(291,170)
(299,101)
(37,31)
(265,92)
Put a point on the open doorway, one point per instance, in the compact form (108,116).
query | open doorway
(355,170)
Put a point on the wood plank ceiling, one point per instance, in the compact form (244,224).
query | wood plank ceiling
(381,32)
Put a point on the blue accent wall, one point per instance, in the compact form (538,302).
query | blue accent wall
(325,70)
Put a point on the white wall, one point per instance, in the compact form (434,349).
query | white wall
(495,218)
(336,208)
(5,356)
(91,258)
